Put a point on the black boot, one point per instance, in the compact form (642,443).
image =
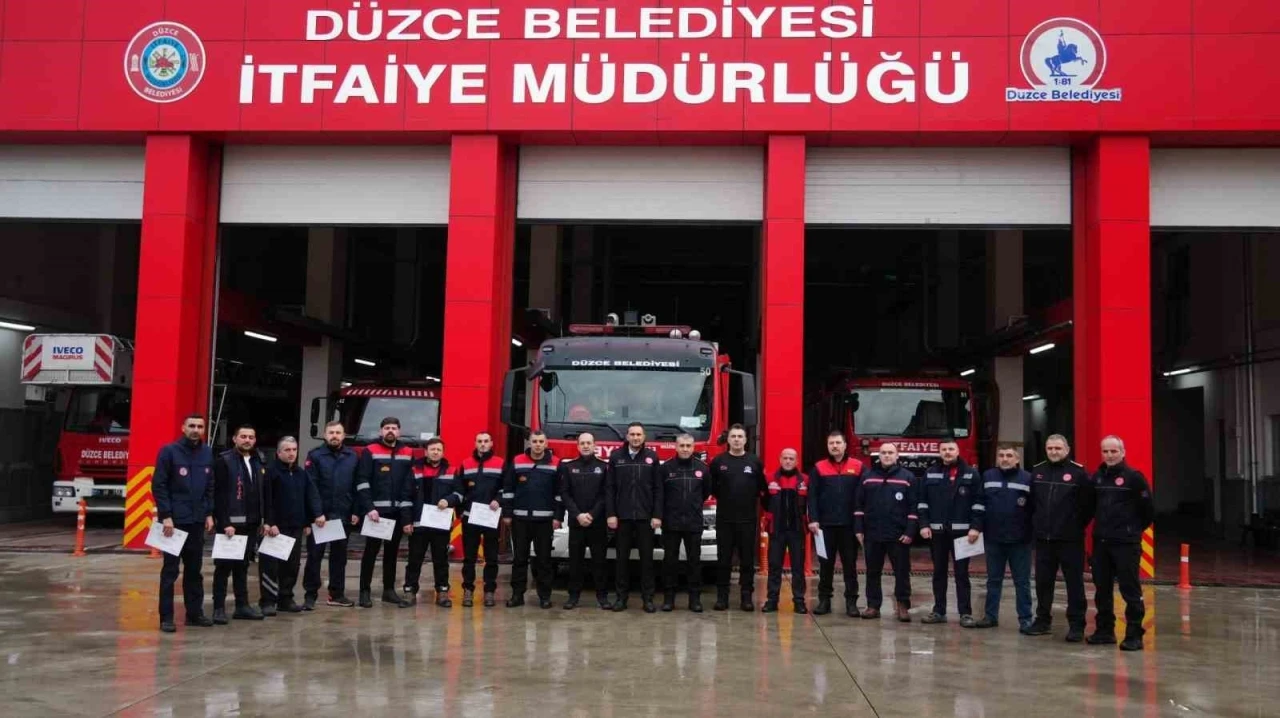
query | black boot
(620,605)
(410,596)
(220,617)
(1075,634)
(168,627)
(515,601)
(1101,638)
(247,613)
(695,602)
(851,609)
(747,603)
(544,602)
(800,607)
(366,599)
(722,602)
(602,600)
(648,605)
(823,607)
(389,595)
(669,603)
(309,602)
(770,606)
(1131,643)
(572,603)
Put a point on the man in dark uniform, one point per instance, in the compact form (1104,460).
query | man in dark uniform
(737,480)
(387,468)
(1124,512)
(239,505)
(436,486)
(481,476)
(531,497)
(685,489)
(951,506)
(633,501)
(332,468)
(833,483)
(885,520)
(293,506)
(582,487)
(1007,525)
(183,490)
(783,502)
(1063,496)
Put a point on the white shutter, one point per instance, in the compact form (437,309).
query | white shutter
(71,182)
(641,183)
(938,185)
(335,185)
(1215,188)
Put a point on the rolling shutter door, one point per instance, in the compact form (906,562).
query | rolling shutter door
(1215,188)
(641,183)
(71,182)
(335,185)
(943,185)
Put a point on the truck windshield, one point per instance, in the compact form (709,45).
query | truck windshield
(98,410)
(419,417)
(932,413)
(668,402)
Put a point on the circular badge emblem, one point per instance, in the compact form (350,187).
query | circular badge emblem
(648,460)
(164,62)
(1119,481)
(698,474)
(1067,478)
(898,496)
(1022,501)
(1064,53)
(182,471)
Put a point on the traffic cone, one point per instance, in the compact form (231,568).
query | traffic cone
(80,517)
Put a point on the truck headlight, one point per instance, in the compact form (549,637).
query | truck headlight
(64,491)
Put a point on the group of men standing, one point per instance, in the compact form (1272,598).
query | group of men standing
(881,507)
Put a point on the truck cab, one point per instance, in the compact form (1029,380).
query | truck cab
(362,406)
(603,377)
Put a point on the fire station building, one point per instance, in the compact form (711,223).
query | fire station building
(406,190)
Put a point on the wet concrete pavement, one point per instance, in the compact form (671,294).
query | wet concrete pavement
(78,638)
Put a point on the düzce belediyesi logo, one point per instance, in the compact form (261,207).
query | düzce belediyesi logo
(164,62)
(1062,60)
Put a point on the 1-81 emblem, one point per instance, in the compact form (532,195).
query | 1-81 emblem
(164,62)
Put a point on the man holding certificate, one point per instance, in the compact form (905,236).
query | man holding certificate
(183,489)
(332,469)
(437,490)
(384,483)
(951,507)
(237,511)
(293,506)
(481,475)
(532,502)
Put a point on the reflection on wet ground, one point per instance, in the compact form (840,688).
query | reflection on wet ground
(78,638)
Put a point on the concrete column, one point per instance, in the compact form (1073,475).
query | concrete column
(477,300)
(544,269)
(1111,303)
(172,363)
(1004,259)
(782,297)
(584,276)
(325,300)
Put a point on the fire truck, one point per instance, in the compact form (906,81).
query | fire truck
(914,412)
(604,376)
(361,407)
(87,379)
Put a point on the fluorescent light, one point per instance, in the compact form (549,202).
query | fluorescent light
(1031,397)
(17,327)
(968,372)
(433,378)
(1042,348)
(262,337)
(1178,372)
(516,342)
(365,362)
(344,384)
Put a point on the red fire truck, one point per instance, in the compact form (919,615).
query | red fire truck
(914,412)
(361,407)
(605,376)
(87,378)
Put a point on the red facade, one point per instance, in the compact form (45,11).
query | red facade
(1190,72)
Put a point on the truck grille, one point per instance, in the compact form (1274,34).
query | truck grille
(105,471)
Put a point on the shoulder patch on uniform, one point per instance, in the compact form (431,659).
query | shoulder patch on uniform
(1078,464)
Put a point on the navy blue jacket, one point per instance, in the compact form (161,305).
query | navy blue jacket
(885,507)
(1009,505)
(686,484)
(832,490)
(481,480)
(434,483)
(582,487)
(1064,499)
(183,482)
(334,474)
(294,502)
(633,491)
(238,499)
(953,505)
(1125,508)
(385,481)
(530,490)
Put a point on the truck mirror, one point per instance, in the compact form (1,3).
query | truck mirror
(723,438)
(512,415)
(852,401)
(315,418)
(748,394)
(548,380)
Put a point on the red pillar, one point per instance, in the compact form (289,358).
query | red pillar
(477,295)
(173,346)
(1112,302)
(782,267)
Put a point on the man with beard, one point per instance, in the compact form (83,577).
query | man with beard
(387,468)
(183,489)
(481,477)
(332,468)
(239,508)
(833,483)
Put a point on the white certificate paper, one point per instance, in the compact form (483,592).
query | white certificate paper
(332,531)
(381,529)
(169,544)
(482,515)
(820,544)
(964,549)
(434,517)
(279,546)
(229,548)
